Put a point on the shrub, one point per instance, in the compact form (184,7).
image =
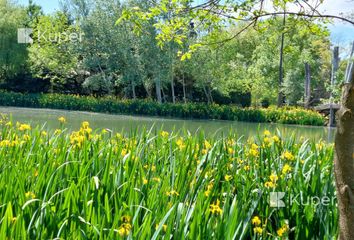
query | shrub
(143,107)
(237,98)
(265,103)
(241,98)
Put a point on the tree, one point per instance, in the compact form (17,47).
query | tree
(281,68)
(34,12)
(131,63)
(344,159)
(13,56)
(51,55)
(213,14)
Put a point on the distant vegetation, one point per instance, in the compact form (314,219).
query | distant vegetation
(109,59)
(287,115)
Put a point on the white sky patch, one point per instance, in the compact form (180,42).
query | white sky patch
(336,7)
(331,7)
(342,33)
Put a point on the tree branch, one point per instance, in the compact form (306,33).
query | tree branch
(305,15)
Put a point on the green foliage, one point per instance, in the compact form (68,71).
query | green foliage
(140,107)
(139,56)
(302,44)
(265,103)
(51,54)
(242,99)
(245,59)
(175,17)
(92,184)
(13,56)
(34,12)
(97,84)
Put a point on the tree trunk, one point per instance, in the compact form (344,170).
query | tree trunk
(344,161)
(184,89)
(133,89)
(163,95)
(281,70)
(350,65)
(210,95)
(173,90)
(172,84)
(206,94)
(335,66)
(307,99)
(158,90)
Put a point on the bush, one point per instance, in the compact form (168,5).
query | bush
(237,98)
(142,107)
(265,103)
(97,84)
(243,99)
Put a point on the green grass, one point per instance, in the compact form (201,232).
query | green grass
(154,185)
(286,115)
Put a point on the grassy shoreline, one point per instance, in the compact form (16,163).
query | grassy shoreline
(111,105)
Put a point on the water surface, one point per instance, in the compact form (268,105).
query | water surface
(130,123)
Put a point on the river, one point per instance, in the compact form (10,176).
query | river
(124,123)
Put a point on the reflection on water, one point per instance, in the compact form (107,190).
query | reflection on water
(129,123)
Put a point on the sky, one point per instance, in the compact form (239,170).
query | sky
(341,33)
(48,6)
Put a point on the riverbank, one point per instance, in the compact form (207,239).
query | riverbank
(112,105)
